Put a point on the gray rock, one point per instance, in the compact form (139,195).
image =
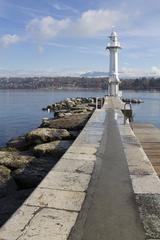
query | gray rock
(14,160)
(70,103)
(4,179)
(56,148)
(74,134)
(19,143)
(28,177)
(74,122)
(81,111)
(4,174)
(92,105)
(44,135)
(62,114)
(11,202)
(31,175)
(90,109)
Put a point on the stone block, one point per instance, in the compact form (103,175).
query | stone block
(74,156)
(66,181)
(18,223)
(82,150)
(58,199)
(147,184)
(49,224)
(81,166)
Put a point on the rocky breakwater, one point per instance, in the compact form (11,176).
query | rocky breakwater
(26,160)
(132,100)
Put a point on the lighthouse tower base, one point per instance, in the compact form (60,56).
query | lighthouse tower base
(113,86)
(113,89)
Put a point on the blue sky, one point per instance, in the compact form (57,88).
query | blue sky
(70,36)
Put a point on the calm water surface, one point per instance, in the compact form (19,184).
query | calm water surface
(20,110)
(149,111)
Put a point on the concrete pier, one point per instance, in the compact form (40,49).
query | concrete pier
(104,187)
(112,213)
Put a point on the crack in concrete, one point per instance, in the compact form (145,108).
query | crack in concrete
(59,209)
(28,223)
(66,190)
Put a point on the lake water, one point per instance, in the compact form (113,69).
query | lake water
(20,110)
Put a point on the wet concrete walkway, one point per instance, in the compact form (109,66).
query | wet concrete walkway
(113,213)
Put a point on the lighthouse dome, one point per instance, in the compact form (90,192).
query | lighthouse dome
(114,34)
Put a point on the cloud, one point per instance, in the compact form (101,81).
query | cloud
(8,40)
(46,28)
(63,7)
(43,30)
(93,22)
(89,24)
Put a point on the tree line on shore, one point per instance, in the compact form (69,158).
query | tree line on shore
(142,83)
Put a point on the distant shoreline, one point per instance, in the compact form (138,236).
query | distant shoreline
(84,89)
(78,83)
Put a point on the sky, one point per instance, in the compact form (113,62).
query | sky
(70,36)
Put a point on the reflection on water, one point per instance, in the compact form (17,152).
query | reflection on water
(20,110)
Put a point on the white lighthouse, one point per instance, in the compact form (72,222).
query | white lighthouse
(113,82)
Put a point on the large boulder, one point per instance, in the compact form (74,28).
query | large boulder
(4,178)
(74,134)
(61,114)
(19,143)
(14,160)
(56,148)
(28,177)
(31,175)
(90,109)
(79,109)
(74,122)
(44,135)
(92,105)
(4,174)
(69,103)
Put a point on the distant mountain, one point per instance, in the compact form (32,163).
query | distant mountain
(94,74)
(123,74)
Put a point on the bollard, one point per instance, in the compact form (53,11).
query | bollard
(127,113)
(101,102)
